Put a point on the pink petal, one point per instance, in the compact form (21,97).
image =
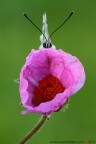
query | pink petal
(42,63)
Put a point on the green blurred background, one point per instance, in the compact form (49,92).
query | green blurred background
(17,38)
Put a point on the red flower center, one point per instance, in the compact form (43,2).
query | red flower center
(47,90)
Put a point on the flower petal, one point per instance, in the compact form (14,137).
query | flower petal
(42,63)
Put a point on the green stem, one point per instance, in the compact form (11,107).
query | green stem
(34,130)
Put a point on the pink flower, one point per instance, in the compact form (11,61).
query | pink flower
(48,78)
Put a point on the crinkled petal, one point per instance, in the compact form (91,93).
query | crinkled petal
(42,63)
(51,106)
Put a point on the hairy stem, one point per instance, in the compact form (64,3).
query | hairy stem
(34,130)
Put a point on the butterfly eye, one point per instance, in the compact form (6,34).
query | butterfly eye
(47,45)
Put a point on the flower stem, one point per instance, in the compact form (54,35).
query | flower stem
(34,130)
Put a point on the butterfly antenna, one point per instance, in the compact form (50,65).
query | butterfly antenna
(34,24)
(60,25)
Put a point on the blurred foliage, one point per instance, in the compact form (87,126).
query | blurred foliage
(17,38)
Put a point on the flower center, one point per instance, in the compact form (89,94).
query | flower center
(47,90)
